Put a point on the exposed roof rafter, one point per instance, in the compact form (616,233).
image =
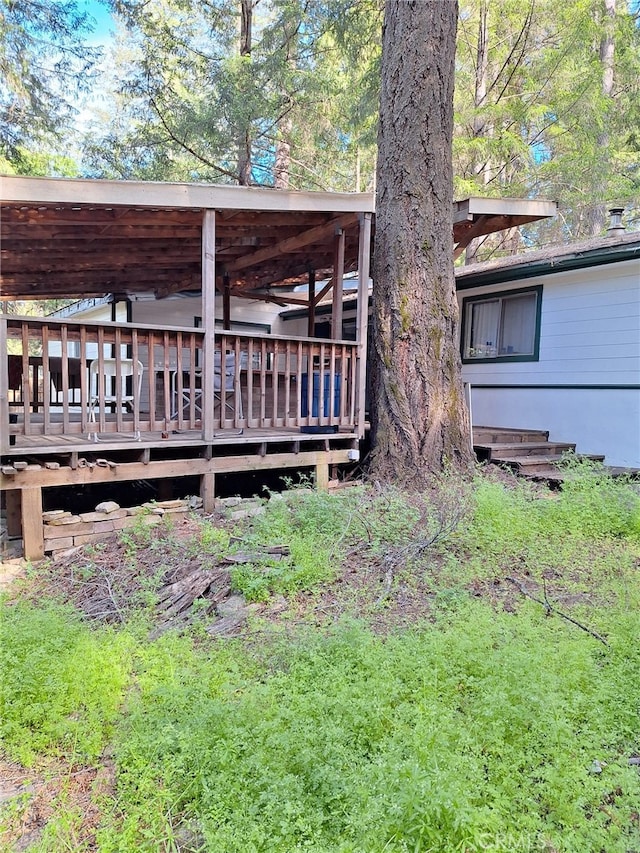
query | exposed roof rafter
(82,238)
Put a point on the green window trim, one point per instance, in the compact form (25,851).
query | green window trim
(504,358)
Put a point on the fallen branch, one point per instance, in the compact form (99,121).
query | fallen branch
(386,587)
(551,609)
(117,610)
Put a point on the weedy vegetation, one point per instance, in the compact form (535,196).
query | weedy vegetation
(453,671)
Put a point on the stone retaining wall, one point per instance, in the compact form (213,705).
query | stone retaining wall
(64,530)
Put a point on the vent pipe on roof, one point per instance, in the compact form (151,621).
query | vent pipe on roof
(615,226)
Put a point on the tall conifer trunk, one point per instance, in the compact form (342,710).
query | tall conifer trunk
(598,214)
(480,129)
(419,419)
(244,136)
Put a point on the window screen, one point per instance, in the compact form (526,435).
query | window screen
(502,326)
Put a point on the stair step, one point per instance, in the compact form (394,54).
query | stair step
(497,435)
(541,465)
(529,448)
(528,452)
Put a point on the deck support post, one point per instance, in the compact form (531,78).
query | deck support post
(13,510)
(208,320)
(208,491)
(322,476)
(164,490)
(362,319)
(32,532)
(226,302)
(4,387)
(311,319)
(338,289)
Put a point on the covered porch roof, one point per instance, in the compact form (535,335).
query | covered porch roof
(82,238)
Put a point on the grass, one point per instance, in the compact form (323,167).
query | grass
(484,725)
(62,684)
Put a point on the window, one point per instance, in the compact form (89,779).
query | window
(502,326)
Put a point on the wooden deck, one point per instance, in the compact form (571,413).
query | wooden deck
(64,445)
(145,385)
(28,470)
(166,403)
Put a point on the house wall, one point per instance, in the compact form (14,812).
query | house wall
(585,387)
(298,326)
(182,311)
(95,314)
(173,311)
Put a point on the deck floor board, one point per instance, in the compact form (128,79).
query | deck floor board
(60,444)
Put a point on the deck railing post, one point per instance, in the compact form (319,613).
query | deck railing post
(208,322)
(4,387)
(362,321)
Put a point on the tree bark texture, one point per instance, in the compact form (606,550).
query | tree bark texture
(282,165)
(479,122)
(244,136)
(419,419)
(598,215)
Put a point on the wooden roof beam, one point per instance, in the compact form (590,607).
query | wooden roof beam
(476,230)
(291,244)
(117,231)
(283,301)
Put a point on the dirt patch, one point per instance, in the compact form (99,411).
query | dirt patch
(32,800)
(11,570)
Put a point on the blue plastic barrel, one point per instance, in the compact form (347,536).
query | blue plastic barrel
(315,402)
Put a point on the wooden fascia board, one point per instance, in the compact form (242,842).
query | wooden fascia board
(17,189)
(532,209)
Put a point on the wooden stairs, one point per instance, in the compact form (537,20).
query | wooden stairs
(528,452)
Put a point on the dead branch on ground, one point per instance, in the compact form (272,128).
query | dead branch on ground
(550,608)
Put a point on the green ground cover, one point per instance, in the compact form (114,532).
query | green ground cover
(485,721)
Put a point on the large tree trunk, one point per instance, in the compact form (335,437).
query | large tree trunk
(244,135)
(419,419)
(598,214)
(282,164)
(480,167)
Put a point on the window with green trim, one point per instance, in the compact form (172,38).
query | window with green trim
(502,326)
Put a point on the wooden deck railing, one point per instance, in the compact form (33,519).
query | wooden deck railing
(155,381)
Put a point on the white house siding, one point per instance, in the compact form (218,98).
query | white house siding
(182,311)
(590,337)
(173,311)
(95,314)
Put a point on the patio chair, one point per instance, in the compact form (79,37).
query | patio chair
(103,383)
(229,387)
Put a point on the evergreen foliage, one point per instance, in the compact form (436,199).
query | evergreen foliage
(44,61)
(535,112)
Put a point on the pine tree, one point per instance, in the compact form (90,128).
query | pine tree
(418,419)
